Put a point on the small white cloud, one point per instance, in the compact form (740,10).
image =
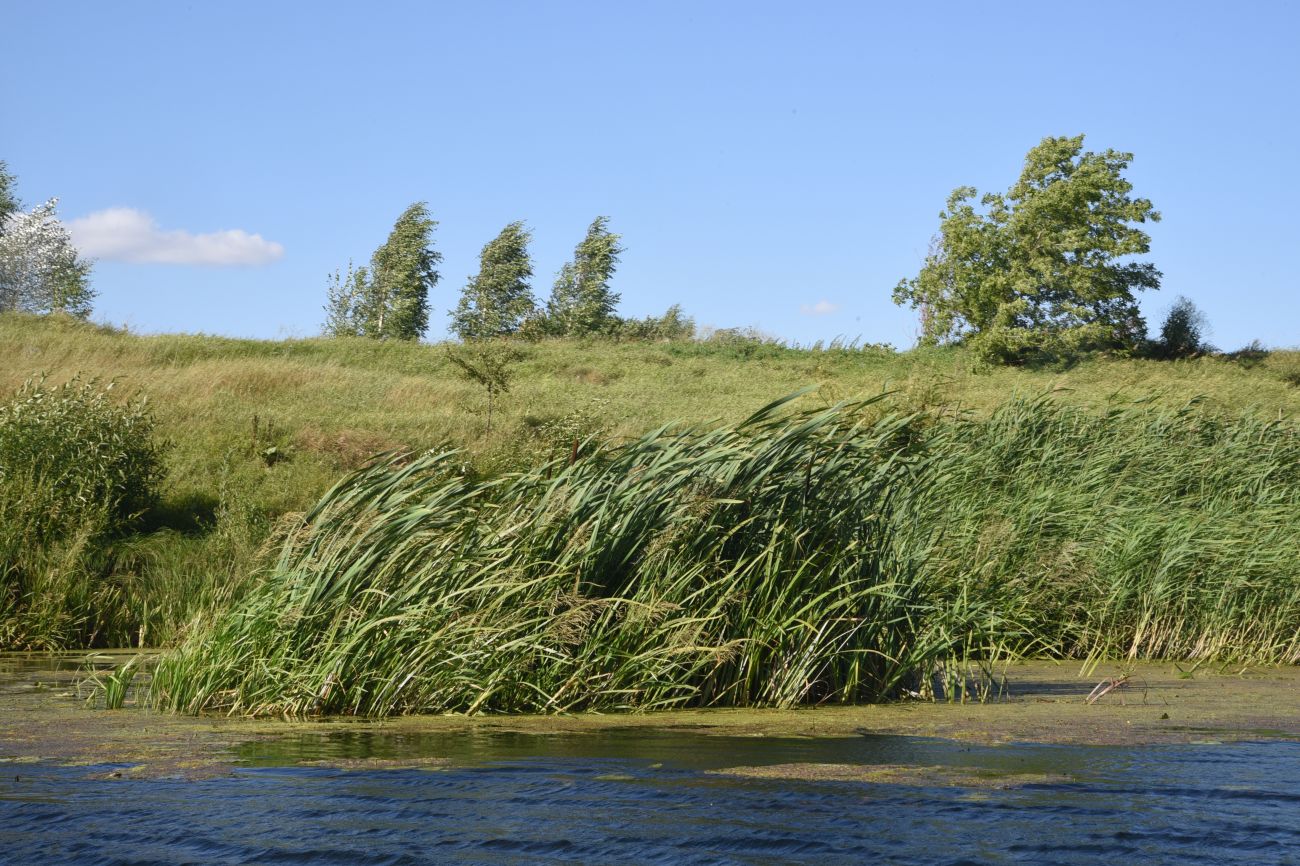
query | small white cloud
(125,234)
(821,308)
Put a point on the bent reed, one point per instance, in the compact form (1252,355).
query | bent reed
(841,554)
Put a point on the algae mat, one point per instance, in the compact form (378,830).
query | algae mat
(42,719)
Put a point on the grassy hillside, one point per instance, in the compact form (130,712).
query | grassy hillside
(324,406)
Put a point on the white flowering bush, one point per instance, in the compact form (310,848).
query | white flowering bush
(40,271)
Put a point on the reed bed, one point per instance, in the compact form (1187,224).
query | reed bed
(1135,532)
(843,554)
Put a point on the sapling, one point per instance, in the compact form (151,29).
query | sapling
(489,363)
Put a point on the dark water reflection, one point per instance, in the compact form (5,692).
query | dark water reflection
(636,796)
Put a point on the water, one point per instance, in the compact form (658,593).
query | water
(635,796)
(359,794)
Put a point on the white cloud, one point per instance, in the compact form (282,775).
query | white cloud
(125,234)
(821,308)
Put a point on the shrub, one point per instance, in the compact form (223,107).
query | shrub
(74,440)
(1183,333)
(672,325)
(76,469)
(1250,355)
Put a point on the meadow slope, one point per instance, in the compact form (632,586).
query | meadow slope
(258,429)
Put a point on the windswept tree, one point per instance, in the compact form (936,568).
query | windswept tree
(581,301)
(390,299)
(496,301)
(40,270)
(1042,270)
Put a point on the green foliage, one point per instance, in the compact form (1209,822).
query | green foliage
(402,273)
(390,300)
(40,269)
(345,298)
(76,469)
(9,203)
(581,301)
(833,555)
(1039,272)
(1250,355)
(89,450)
(1136,532)
(741,566)
(337,402)
(113,686)
(497,301)
(578,432)
(1183,333)
(672,325)
(489,363)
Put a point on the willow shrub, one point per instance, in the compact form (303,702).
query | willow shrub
(76,468)
(839,555)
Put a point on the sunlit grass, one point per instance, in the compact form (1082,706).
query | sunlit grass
(326,406)
(831,555)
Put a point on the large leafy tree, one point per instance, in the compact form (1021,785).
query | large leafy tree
(40,270)
(581,301)
(497,300)
(1042,270)
(390,299)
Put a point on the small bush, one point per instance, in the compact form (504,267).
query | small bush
(672,325)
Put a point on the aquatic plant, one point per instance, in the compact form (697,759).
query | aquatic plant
(111,686)
(841,554)
(1134,532)
(745,565)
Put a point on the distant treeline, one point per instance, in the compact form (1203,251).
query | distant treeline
(389,299)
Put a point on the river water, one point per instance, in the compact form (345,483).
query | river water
(652,797)
(643,795)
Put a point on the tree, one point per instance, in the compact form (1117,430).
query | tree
(9,203)
(581,301)
(344,296)
(490,363)
(1039,271)
(402,273)
(1183,333)
(40,271)
(496,302)
(390,300)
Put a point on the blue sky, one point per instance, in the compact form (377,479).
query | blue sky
(768,165)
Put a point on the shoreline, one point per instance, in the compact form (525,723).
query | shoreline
(40,721)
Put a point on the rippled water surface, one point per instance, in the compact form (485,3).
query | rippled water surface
(636,796)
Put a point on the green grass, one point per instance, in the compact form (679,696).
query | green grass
(325,406)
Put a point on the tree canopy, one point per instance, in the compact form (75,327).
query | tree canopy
(40,270)
(1039,271)
(496,301)
(581,301)
(390,299)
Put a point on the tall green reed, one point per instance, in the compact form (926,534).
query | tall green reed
(836,555)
